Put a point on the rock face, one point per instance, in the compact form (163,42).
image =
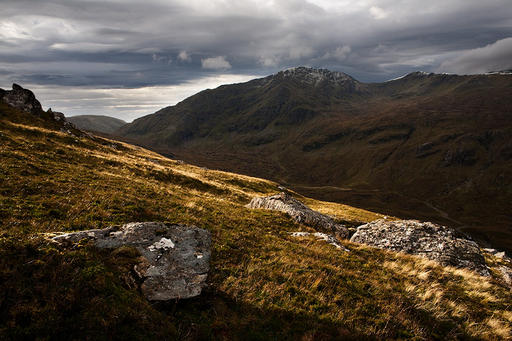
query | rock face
(299,212)
(426,239)
(25,100)
(22,99)
(175,258)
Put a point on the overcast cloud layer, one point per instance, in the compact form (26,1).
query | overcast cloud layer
(128,58)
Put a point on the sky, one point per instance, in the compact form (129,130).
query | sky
(126,58)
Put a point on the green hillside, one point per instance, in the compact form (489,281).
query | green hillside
(97,123)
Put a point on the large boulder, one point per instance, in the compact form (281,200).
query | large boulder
(300,213)
(426,239)
(174,258)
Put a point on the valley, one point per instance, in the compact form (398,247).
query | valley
(432,146)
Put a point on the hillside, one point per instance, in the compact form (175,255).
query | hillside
(263,283)
(432,146)
(98,123)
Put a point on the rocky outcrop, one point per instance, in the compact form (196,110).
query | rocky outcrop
(299,212)
(25,100)
(426,239)
(66,126)
(22,99)
(174,258)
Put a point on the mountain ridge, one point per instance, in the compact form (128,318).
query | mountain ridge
(97,123)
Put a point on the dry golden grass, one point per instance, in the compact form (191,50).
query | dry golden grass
(344,212)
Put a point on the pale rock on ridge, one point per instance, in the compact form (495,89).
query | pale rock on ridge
(300,213)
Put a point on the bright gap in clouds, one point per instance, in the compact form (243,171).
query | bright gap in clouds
(126,104)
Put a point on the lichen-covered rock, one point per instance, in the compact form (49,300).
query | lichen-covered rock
(426,239)
(175,258)
(299,212)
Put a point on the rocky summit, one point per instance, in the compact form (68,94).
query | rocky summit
(299,212)
(317,77)
(174,258)
(22,99)
(426,239)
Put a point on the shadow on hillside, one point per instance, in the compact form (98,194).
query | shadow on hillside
(215,315)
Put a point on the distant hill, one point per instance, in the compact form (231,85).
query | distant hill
(432,146)
(99,123)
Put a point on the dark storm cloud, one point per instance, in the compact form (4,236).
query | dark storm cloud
(132,44)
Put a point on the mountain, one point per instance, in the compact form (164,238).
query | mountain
(98,123)
(264,283)
(433,146)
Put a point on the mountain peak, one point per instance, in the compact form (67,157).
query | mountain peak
(314,76)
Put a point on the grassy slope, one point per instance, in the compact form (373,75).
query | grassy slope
(263,283)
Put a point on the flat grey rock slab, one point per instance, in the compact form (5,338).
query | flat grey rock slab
(175,258)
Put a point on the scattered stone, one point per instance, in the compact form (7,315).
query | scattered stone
(322,236)
(506,274)
(155,161)
(299,212)
(426,239)
(174,258)
(498,254)
(57,116)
